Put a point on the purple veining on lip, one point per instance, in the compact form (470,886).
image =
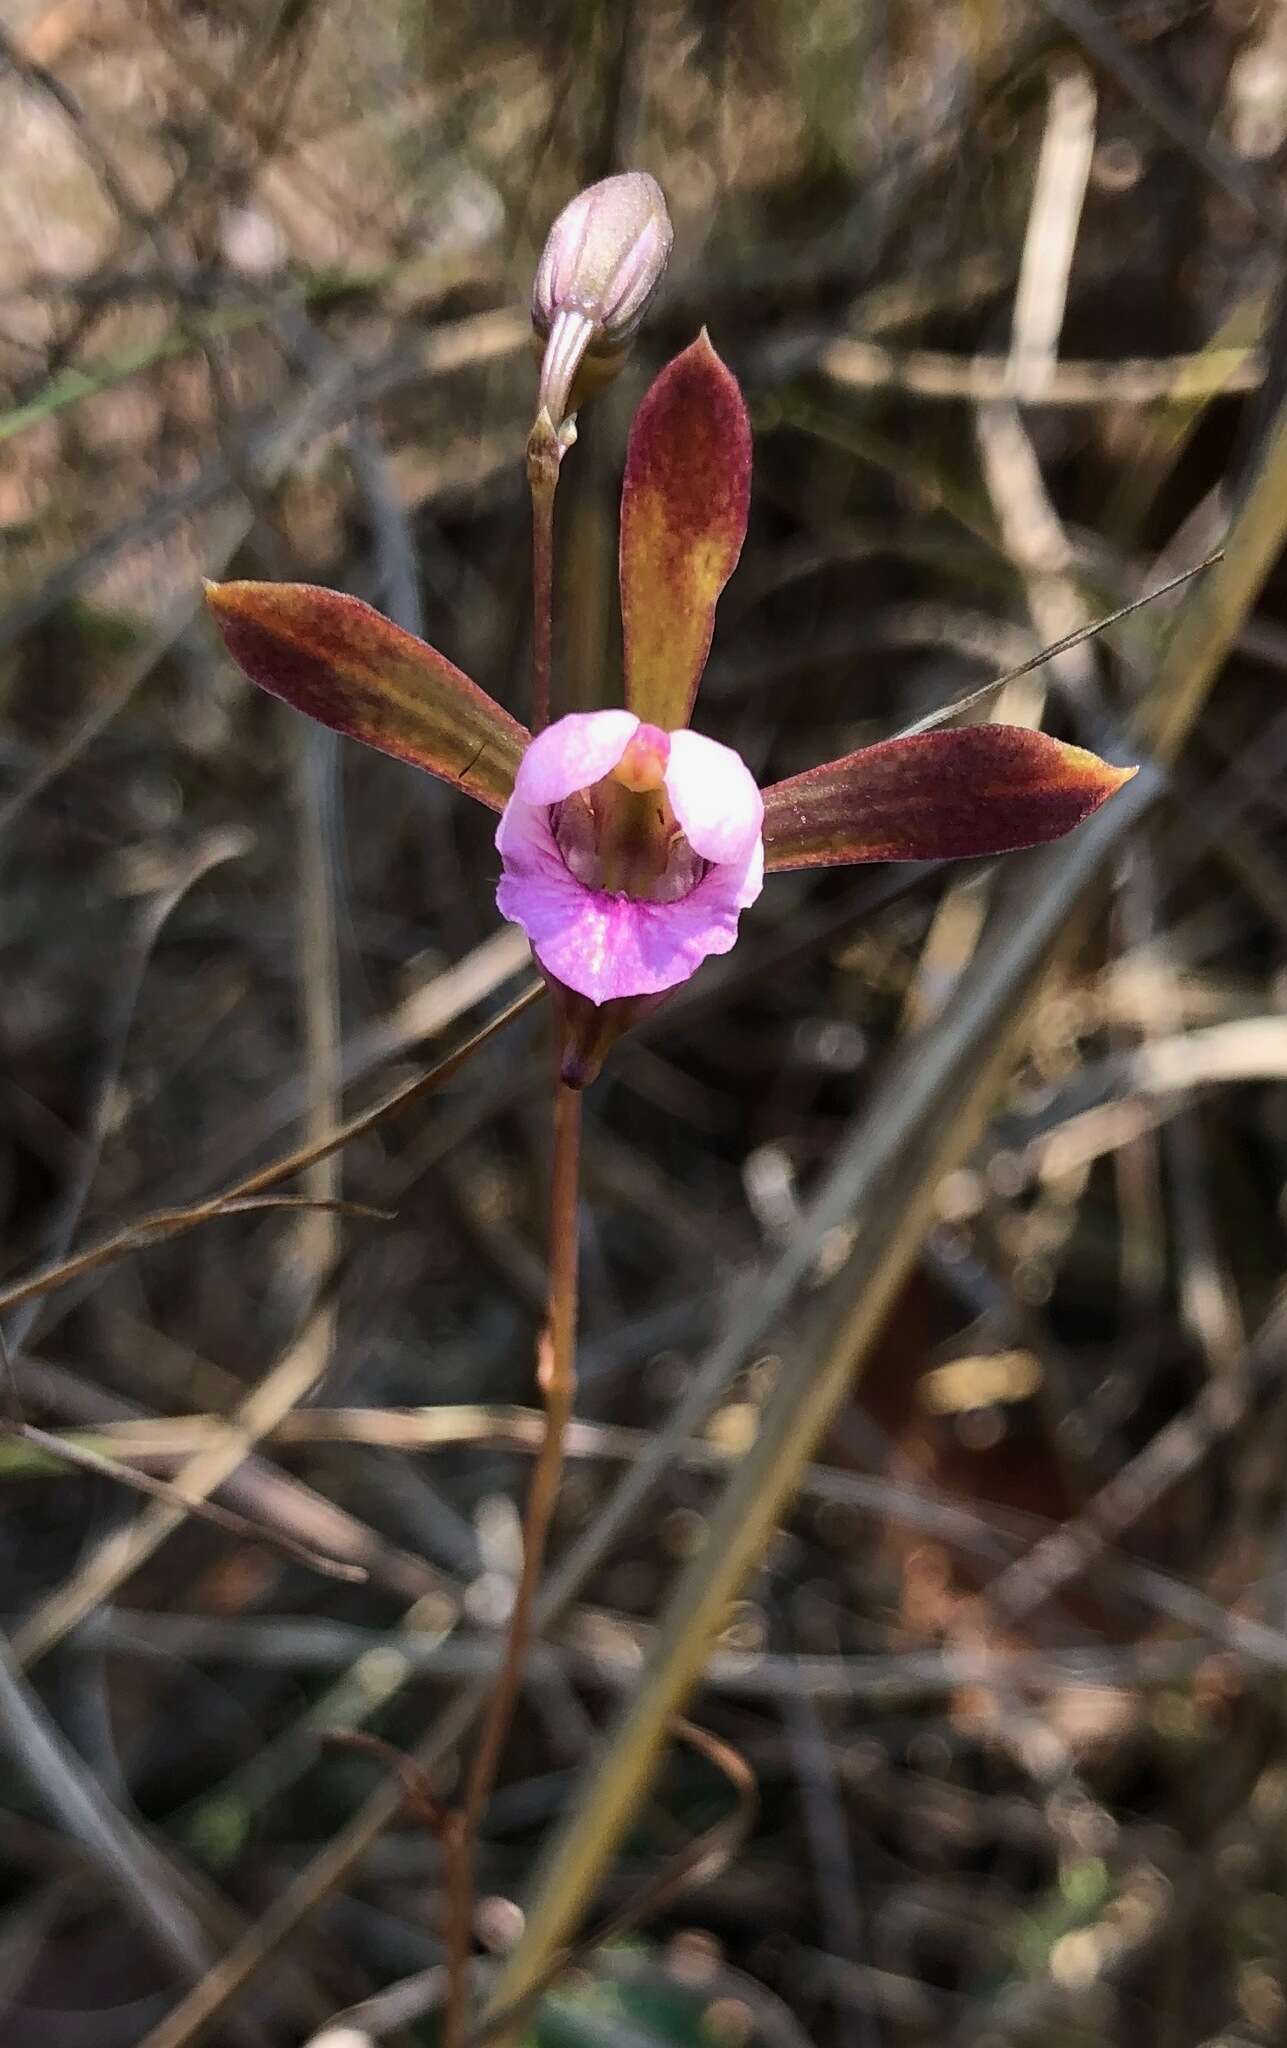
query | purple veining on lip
(605,943)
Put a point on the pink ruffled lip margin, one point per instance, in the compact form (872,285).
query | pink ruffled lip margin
(607,946)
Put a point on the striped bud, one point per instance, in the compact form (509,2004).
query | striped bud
(603,259)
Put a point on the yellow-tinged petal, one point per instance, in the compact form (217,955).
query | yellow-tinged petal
(353,670)
(684,503)
(978,789)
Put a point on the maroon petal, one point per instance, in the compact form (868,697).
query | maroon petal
(684,503)
(346,665)
(978,789)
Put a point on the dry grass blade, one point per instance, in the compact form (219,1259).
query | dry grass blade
(173,1222)
(220,847)
(1185,126)
(287,1382)
(1054,217)
(126,1858)
(928,373)
(1076,638)
(85,1459)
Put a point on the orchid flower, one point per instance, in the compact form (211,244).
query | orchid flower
(629,844)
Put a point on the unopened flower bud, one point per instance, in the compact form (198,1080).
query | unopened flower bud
(603,260)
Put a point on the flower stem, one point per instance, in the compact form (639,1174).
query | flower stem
(543,457)
(556,1377)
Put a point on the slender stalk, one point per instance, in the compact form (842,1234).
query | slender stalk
(556,1377)
(543,454)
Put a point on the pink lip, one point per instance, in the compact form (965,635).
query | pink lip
(607,944)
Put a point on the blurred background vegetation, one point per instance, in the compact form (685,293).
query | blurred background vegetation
(1000,281)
